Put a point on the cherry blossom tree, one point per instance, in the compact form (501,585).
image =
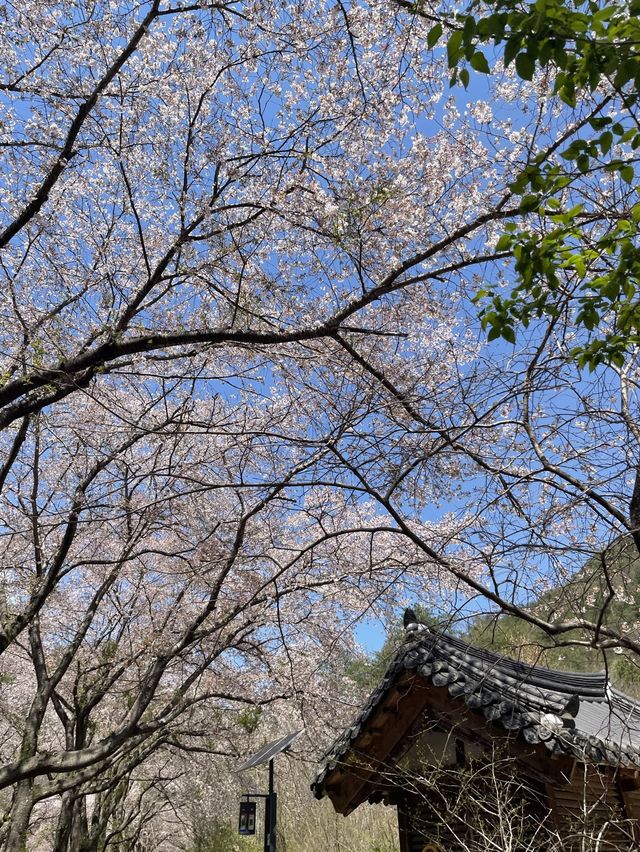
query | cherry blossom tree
(244,401)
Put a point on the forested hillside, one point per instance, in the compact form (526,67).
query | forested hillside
(607,591)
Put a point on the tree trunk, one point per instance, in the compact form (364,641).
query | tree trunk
(21,808)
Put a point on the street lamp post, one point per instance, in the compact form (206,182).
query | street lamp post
(267,754)
(270,811)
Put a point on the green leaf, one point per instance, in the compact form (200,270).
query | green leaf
(576,148)
(610,289)
(469,29)
(583,163)
(606,140)
(434,35)
(545,52)
(525,66)
(510,50)
(627,174)
(567,93)
(463,76)
(479,63)
(529,203)
(454,48)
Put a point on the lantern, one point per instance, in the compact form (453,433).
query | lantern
(247,821)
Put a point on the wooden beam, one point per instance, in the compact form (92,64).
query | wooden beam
(630,806)
(394,718)
(403,830)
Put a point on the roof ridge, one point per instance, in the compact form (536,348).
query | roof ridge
(592,684)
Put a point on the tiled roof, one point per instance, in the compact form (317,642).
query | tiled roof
(574,714)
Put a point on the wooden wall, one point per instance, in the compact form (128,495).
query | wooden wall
(594,810)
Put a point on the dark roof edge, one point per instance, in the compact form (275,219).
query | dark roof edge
(593,684)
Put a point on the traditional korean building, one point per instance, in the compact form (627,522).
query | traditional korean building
(472,746)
